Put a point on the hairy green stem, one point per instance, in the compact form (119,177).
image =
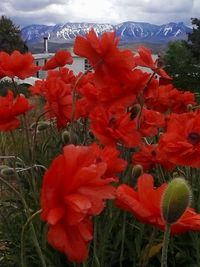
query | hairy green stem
(165,245)
(145,259)
(123,239)
(23,264)
(27,211)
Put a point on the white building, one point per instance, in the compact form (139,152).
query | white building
(79,64)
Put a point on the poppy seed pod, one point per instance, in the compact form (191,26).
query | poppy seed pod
(175,200)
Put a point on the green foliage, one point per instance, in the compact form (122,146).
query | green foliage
(6,84)
(194,39)
(182,60)
(10,38)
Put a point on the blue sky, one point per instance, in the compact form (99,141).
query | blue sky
(26,12)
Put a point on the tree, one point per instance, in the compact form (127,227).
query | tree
(194,39)
(10,38)
(182,60)
(181,66)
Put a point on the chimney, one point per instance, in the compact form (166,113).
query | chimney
(45,44)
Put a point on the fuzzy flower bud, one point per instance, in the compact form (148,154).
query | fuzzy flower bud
(175,200)
(7,172)
(136,172)
(42,125)
(65,137)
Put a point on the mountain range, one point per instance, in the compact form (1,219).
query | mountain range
(129,32)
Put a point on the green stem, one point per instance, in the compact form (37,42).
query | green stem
(123,240)
(15,86)
(33,232)
(95,258)
(27,137)
(23,264)
(165,245)
(35,136)
(145,259)
(141,100)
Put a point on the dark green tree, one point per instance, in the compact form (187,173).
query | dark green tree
(10,38)
(182,60)
(182,66)
(194,39)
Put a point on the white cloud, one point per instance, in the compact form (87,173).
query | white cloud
(24,12)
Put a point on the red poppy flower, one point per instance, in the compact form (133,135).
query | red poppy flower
(110,155)
(63,73)
(149,212)
(37,88)
(111,128)
(148,156)
(168,98)
(17,64)
(145,59)
(181,141)
(10,108)
(104,56)
(150,122)
(58,99)
(60,59)
(71,239)
(73,190)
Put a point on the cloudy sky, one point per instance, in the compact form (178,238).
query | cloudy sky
(51,12)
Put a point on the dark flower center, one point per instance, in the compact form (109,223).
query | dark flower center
(112,122)
(153,153)
(193,138)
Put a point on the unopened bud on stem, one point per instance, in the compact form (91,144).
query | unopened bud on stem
(175,200)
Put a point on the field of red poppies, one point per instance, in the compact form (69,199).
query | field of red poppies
(99,169)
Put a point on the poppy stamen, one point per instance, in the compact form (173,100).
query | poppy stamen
(193,138)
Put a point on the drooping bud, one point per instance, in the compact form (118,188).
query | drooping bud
(175,200)
(69,138)
(7,172)
(65,137)
(33,125)
(137,170)
(42,125)
(189,107)
(3,167)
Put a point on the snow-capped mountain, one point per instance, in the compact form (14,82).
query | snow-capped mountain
(127,31)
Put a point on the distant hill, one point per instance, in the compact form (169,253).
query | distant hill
(129,33)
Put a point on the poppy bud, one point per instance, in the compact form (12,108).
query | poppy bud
(73,138)
(135,110)
(136,171)
(175,200)
(7,172)
(189,107)
(65,137)
(33,125)
(42,125)
(19,164)
(3,167)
